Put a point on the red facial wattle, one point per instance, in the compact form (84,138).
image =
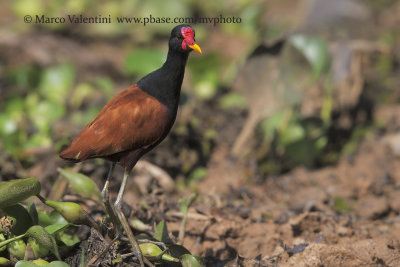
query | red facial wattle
(188,39)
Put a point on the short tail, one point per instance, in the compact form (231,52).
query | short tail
(70,155)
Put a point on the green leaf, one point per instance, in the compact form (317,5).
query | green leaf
(33,211)
(40,262)
(38,249)
(81,92)
(177,250)
(139,225)
(188,260)
(233,100)
(293,133)
(56,82)
(57,218)
(44,219)
(314,49)
(18,190)
(44,113)
(143,61)
(17,248)
(197,175)
(205,90)
(10,240)
(81,184)
(55,228)
(21,218)
(58,264)
(24,263)
(161,233)
(68,239)
(44,238)
(5,262)
(271,124)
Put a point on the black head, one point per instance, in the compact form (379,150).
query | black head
(182,39)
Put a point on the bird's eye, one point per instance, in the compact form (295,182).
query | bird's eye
(179,37)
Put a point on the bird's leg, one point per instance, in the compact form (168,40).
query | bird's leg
(107,203)
(124,221)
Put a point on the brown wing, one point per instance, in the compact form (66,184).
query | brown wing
(131,120)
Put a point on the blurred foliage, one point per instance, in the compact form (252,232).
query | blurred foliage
(44,95)
(20,225)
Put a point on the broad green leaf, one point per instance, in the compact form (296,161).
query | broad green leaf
(81,184)
(177,250)
(38,250)
(271,124)
(205,90)
(33,211)
(20,217)
(44,113)
(139,225)
(205,68)
(56,82)
(144,61)
(44,219)
(197,175)
(40,262)
(5,262)
(188,260)
(106,85)
(25,263)
(314,49)
(58,264)
(293,133)
(68,239)
(11,240)
(18,190)
(55,228)
(57,218)
(82,91)
(233,100)
(17,248)
(44,238)
(161,233)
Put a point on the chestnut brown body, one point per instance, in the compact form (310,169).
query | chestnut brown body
(129,125)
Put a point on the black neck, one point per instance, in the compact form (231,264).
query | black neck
(165,83)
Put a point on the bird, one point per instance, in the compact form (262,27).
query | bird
(135,121)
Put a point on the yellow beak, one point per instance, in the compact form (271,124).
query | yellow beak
(195,47)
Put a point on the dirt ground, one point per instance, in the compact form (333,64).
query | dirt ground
(298,219)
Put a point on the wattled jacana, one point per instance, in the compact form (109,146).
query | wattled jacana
(135,121)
